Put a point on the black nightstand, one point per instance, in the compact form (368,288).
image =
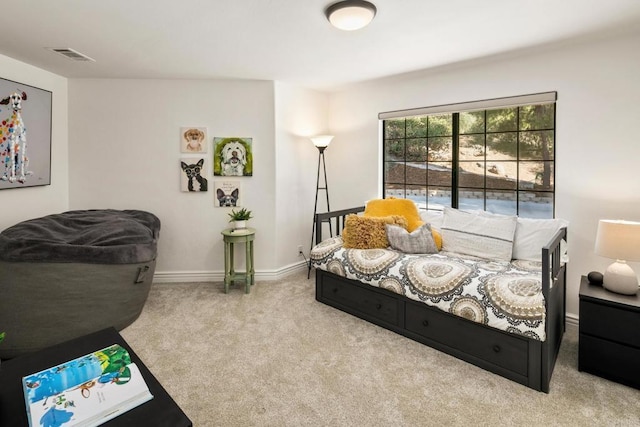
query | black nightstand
(609,334)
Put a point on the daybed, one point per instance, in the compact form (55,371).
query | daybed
(66,275)
(506,317)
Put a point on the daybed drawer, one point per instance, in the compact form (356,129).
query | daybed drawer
(491,346)
(366,301)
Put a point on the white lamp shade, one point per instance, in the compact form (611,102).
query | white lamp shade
(618,239)
(321,140)
(349,15)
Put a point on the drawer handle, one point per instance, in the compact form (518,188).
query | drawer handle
(378,306)
(496,348)
(425,323)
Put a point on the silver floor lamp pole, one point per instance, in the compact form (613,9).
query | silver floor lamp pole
(321,142)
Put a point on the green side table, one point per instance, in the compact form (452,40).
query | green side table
(239,235)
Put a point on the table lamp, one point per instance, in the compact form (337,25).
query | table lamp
(619,240)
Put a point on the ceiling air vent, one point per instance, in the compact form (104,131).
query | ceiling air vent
(69,53)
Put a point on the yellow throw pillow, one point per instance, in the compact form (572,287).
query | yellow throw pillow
(392,206)
(362,232)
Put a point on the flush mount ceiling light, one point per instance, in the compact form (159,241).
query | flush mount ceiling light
(349,15)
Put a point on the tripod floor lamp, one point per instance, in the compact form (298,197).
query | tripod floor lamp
(321,142)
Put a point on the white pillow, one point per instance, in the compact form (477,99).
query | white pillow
(434,218)
(479,235)
(532,234)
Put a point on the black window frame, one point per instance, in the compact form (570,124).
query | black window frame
(455,186)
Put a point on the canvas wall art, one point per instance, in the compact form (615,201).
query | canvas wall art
(232,156)
(192,174)
(25,135)
(227,193)
(193,140)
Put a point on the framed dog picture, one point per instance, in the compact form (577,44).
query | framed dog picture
(192,174)
(193,140)
(232,156)
(25,135)
(227,193)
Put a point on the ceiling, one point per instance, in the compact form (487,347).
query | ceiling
(290,40)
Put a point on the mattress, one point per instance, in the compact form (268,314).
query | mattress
(503,295)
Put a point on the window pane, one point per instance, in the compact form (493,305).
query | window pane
(417,127)
(417,150)
(439,174)
(438,197)
(502,146)
(440,149)
(535,205)
(471,174)
(502,120)
(393,190)
(501,202)
(502,175)
(536,145)
(416,173)
(536,175)
(537,117)
(472,122)
(394,173)
(394,149)
(417,193)
(471,200)
(394,129)
(440,125)
(471,147)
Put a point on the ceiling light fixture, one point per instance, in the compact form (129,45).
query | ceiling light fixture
(349,15)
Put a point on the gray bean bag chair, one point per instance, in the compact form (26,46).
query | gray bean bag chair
(67,275)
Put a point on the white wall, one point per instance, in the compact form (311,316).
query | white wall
(300,113)
(125,154)
(32,202)
(598,146)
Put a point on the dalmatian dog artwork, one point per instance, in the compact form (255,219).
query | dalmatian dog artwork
(233,158)
(13,141)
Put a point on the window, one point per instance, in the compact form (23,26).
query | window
(499,159)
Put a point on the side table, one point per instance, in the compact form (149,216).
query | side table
(609,344)
(232,236)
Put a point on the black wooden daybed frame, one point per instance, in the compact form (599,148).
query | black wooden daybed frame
(521,359)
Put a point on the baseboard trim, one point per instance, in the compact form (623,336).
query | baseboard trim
(218,276)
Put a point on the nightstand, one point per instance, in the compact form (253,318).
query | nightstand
(609,334)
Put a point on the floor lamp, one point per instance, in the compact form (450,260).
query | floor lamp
(321,142)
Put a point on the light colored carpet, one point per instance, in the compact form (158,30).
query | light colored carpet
(277,357)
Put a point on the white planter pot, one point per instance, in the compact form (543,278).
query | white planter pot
(239,224)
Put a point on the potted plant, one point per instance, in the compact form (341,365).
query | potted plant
(240,217)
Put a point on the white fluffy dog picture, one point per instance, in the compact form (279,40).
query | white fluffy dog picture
(232,157)
(193,140)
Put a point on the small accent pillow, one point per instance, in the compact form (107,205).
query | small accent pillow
(489,237)
(419,241)
(391,206)
(361,232)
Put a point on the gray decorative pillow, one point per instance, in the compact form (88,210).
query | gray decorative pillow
(420,241)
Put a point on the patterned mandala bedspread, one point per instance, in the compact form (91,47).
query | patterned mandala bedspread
(503,295)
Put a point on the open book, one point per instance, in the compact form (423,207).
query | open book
(86,391)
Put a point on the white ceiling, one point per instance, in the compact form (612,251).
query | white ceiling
(289,40)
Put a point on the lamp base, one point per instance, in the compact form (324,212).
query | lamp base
(621,278)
